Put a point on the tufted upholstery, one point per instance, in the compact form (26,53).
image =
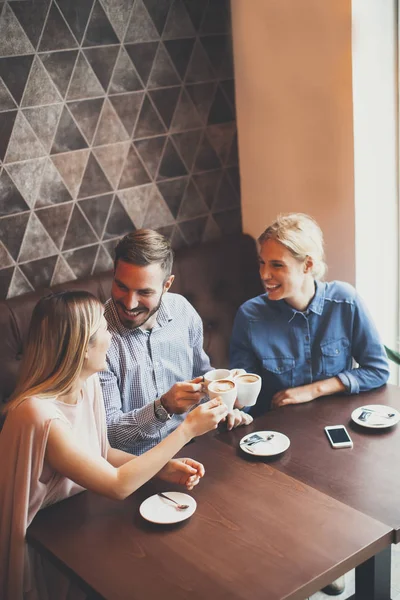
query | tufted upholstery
(216,277)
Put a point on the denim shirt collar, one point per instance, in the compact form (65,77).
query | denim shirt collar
(316,305)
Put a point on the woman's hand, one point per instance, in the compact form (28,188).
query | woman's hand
(184,471)
(296,395)
(237,418)
(205,417)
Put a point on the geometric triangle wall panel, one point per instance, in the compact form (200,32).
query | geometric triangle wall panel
(44,121)
(68,136)
(173,191)
(118,223)
(142,56)
(52,188)
(81,261)
(55,220)
(76,13)
(158,213)
(178,23)
(7,120)
(180,52)
(158,11)
(31,16)
(94,181)
(14,72)
(99,31)
(135,201)
(163,73)
(13,39)
(193,230)
(6,100)
(59,66)
(165,101)
(103,261)
(118,12)
(24,143)
(102,61)
(127,107)
(56,34)
(12,230)
(79,232)
(112,160)
(193,205)
(141,28)
(71,167)
(37,242)
(96,211)
(40,89)
(187,144)
(150,152)
(134,173)
(27,176)
(62,272)
(11,200)
(86,114)
(39,272)
(5,258)
(125,77)
(148,123)
(19,284)
(186,116)
(84,83)
(195,10)
(109,129)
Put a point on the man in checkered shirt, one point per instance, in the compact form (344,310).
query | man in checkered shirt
(156,359)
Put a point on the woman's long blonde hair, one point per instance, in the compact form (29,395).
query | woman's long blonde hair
(61,328)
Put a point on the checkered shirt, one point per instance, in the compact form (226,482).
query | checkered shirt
(144,365)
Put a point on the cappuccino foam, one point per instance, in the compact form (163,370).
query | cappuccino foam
(223,386)
(247,379)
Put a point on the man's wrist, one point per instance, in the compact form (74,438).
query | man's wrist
(160,410)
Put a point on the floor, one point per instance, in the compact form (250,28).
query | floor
(349,591)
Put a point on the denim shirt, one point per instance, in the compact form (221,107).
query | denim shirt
(289,348)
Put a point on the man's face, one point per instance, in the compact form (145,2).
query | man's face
(137,293)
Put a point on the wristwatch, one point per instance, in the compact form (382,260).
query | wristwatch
(161,413)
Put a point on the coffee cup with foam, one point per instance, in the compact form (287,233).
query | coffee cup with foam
(225,389)
(248,388)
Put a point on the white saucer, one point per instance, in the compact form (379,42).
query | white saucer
(376,420)
(278,444)
(159,510)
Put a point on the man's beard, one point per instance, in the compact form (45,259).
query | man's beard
(128,324)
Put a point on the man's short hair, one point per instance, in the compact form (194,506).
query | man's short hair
(145,247)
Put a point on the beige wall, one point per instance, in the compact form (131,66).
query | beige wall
(294,104)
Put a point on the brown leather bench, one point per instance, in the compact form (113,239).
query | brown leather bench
(216,277)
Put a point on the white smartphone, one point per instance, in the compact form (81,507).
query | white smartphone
(338,436)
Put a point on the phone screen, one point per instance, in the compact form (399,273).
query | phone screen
(339,435)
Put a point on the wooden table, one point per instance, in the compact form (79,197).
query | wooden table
(258,534)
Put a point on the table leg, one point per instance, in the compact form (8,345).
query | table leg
(373,577)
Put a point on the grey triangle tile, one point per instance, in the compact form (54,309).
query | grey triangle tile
(96,211)
(141,28)
(71,167)
(142,56)
(158,10)
(37,242)
(110,247)
(195,10)
(180,52)
(13,39)
(208,184)
(234,177)
(158,213)
(7,120)
(186,115)
(99,31)
(55,220)
(187,144)
(125,78)
(86,114)
(163,73)
(221,138)
(14,70)
(150,151)
(23,142)
(102,60)
(81,261)
(134,172)
(79,232)
(228,87)
(68,137)
(94,182)
(5,280)
(118,223)
(76,13)
(220,111)
(19,285)
(136,201)
(103,261)
(59,66)
(148,123)
(229,221)
(5,257)
(226,196)
(233,158)
(206,159)
(52,189)
(165,101)
(216,18)
(127,107)
(84,83)
(56,35)
(193,230)
(11,200)
(112,160)
(27,176)
(173,191)
(178,24)
(62,272)
(6,100)
(110,129)
(39,272)
(12,231)
(217,48)
(199,68)
(31,15)
(166,231)
(118,12)
(171,164)
(193,205)
(202,96)
(211,231)
(44,121)
(177,239)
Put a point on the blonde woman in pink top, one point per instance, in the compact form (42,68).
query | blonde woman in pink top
(54,444)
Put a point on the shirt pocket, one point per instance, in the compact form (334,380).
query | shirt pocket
(335,356)
(279,372)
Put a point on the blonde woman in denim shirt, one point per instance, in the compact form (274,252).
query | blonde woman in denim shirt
(304,335)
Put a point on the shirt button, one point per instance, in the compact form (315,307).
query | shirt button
(336,351)
(307,338)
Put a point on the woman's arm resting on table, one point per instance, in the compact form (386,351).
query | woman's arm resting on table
(306,393)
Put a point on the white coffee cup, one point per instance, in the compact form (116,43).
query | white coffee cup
(226,389)
(216,374)
(248,387)
(237,372)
